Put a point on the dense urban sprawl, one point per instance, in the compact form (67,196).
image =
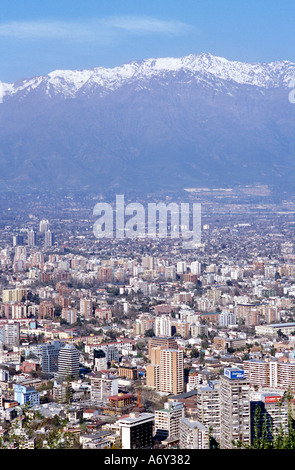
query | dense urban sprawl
(137,343)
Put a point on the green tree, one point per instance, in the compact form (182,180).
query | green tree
(265,436)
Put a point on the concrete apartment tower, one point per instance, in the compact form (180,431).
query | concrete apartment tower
(234,409)
(68,362)
(137,431)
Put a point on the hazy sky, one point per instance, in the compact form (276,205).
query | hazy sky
(39,36)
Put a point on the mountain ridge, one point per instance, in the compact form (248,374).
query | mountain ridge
(158,123)
(265,75)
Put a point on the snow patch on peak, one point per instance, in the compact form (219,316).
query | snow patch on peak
(68,82)
(5,89)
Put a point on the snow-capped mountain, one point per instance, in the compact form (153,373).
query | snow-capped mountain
(179,122)
(200,68)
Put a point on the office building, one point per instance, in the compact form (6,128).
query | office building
(50,352)
(273,329)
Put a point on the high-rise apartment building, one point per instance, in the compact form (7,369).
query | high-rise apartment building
(86,308)
(137,431)
(46,309)
(111,351)
(181,267)
(171,371)
(198,329)
(148,262)
(193,435)
(153,376)
(32,238)
(195,267)
(103,386)
(163,326)
(14,295)
(26,395)
(269,415)
(11,334)
(161,343)
(17,240)
(166,369)
(105,274)
(43,225)
(167,420)
(208,407)
(68,362)
(143,323)
(181,328)
(273,374)
(20,253)
(227,318)
(234,409)
(69,314)
(170,273)
(37,259)
(62,392)
(48,239)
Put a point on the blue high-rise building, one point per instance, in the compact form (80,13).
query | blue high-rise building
(26,395)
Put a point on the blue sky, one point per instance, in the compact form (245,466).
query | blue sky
(38,36)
